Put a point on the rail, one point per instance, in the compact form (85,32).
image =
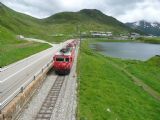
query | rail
(11,86)
(49,103)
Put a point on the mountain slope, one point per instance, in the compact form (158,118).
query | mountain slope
(61,23)
(147,27)
(11,24)
(88,20)
(17,22)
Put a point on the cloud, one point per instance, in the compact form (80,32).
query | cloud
(148,10)
(36,8)
(123,10)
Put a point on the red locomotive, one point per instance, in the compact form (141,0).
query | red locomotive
(63,60)
(72,44)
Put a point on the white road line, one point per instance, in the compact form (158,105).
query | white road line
(1,81)
(23,69)
(11,95)
(14,64)
(16,91)
(60,45)
(38,40)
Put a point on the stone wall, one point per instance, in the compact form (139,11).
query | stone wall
(11,111)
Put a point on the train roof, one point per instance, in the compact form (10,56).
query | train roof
(65,51)
(61,53)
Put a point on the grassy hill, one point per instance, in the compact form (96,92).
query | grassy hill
(106,92)
(154,40)
(88,20)
(12,49)
(58,27)
(20,23)
(61,23)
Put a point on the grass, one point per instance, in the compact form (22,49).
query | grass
(87,20)
(12,50)
(61,23)
(155,40)
(107,93)
(147,71)
(13,23)
(12,53)
(107,40)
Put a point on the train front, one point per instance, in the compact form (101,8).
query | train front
(62,64)
(63,60)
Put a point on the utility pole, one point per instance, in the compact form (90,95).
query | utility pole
(80,38)
(79,34)
(79,74)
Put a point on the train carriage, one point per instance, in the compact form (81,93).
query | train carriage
(63,60)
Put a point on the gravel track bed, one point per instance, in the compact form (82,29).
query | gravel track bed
(65,108)
(31,110)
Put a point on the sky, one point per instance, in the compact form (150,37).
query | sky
(123,10)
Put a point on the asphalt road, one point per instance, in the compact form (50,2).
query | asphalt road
(20,73)
(65,108)
(37,40)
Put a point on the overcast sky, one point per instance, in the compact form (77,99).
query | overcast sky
(123,10)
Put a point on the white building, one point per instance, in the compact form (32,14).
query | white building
(100,34)
(135,35)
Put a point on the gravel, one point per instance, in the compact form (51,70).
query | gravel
(65,108)
(31,110)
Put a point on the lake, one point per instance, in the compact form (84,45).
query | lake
(127,50)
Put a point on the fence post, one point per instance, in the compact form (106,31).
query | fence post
(0,108)
(1,115)
(21,90)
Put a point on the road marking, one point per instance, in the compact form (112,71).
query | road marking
(61,45)
(38,40)
(2,104)
(12,65)
(23,69)
(16,91)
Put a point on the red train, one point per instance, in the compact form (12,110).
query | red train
(63,60)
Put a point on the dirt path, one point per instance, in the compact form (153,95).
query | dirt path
(36,40)
(139,82)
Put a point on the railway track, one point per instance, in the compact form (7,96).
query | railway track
(48,105)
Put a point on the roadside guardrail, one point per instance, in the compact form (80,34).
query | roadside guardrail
(23,86)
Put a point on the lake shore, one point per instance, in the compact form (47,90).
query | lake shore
(106,92)
(127,50)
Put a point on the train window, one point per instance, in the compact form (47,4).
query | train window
(60,59)
(67,59)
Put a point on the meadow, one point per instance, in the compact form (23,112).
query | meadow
(106,92)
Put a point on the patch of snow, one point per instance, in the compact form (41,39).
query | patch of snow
(137,24)
(154,24)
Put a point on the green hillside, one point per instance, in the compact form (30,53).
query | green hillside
(20,23)
(88,20)
(61,23)
(58,27)
(107,92)
(12,49)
